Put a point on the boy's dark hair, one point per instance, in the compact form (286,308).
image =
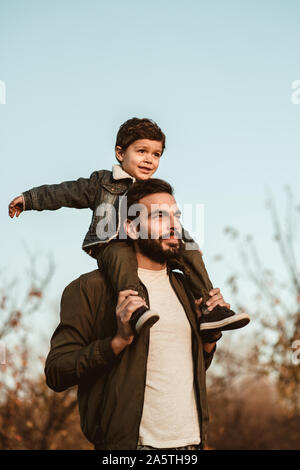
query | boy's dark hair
(135,129)
(140,189)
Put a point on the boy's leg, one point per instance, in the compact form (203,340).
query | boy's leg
(220,318)
(197,274)
(118,260)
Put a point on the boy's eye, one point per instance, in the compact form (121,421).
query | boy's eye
(157,154)
(142,150)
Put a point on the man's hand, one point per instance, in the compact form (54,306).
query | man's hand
(216,299)
(128,302)
(16,206)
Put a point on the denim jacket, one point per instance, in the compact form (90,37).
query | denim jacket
(100,193)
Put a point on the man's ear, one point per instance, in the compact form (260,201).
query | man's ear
(130,229)
(119,153)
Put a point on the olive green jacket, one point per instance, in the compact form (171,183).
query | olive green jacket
(111,388)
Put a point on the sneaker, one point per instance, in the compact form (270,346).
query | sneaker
(221,318)
(141,317)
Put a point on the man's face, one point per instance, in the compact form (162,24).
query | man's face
(141,158)
(160,222)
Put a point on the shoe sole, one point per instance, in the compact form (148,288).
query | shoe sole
(149,318)
(231,323)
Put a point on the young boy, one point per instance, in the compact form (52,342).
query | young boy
(139,146)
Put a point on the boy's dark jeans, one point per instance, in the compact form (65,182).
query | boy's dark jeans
(119,261)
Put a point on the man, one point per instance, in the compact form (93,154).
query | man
(137,391)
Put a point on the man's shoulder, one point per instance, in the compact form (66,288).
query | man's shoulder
(88,282)
(92,276)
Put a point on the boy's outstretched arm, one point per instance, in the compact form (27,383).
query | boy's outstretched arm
(79,194)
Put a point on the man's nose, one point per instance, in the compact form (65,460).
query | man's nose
(175,225)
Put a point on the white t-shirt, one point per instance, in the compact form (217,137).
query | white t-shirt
(170,417)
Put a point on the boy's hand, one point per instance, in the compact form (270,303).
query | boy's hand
(16,206)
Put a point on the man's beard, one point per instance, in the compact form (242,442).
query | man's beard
(153,249)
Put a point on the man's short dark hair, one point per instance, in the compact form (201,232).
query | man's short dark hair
(135,129)
(142,189)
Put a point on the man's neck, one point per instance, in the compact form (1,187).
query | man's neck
(146,263)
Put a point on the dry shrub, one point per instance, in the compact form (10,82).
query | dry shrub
(250,416)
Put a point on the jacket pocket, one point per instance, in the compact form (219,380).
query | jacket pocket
(114,188)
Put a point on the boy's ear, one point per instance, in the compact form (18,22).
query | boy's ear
(119,153)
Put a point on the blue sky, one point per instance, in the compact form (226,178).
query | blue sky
(215,75)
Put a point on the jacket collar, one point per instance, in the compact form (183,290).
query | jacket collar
(120,174)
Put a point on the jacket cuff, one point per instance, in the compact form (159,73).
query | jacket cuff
(28,200)
(104,351)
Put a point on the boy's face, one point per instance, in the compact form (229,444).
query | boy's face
(141,158)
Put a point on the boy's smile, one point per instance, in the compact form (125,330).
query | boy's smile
(141,158)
